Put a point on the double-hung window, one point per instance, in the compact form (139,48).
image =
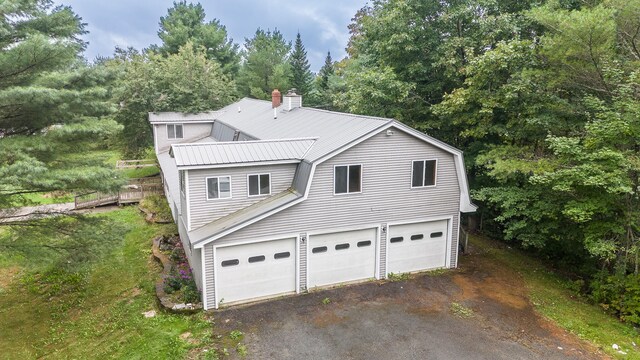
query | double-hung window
(259,184)
(347,179)
(218,187)
(174,131)
(423,173)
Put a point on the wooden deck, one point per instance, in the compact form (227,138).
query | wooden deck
(134,164)
(133,192)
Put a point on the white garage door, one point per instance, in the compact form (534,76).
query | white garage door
(340,257)
(255,270)
(419,246)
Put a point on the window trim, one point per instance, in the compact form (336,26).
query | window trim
(435,178)
(206,187)
(174,131)
(361,177)
(258,175)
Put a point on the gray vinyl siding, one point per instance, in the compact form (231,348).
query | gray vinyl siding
(222,131)
(190,132)
(386,191)
(207,252)
(193,255)
(203,211)
(301,178)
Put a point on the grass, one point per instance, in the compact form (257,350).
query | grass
(552,297)
(461,310)
(97,312)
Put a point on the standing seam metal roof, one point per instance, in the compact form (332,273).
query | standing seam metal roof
(333,130)
(238,152)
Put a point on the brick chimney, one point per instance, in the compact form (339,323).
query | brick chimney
(276,98)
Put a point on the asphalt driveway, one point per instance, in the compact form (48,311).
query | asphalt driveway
(479,311)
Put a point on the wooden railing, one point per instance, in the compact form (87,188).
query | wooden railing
(133,192)
(134,164)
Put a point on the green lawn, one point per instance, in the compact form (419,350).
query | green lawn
(553,298)
(96,312)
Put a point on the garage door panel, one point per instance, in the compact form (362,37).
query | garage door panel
(415,247)
(255,270)
(342,257)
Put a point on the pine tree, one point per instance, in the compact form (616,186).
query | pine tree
(266,65)
(325,72)
(52,105)
(185,22)
(300,74)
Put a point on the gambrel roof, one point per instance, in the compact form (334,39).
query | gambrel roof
(311,136)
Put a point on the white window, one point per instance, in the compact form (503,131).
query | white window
(218,187)
(347,179)
(174,131)
(423,173)
(259,184)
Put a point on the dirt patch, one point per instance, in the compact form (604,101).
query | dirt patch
(7,275)
(327,318)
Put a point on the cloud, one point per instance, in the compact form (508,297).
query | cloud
(322,24)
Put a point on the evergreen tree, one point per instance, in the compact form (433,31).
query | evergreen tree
(300,74)
(51,104)
(326,71)
(185,22)
(266,65)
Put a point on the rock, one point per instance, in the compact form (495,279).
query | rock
(179,307)
(149,314)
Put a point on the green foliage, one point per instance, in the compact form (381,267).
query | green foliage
(187,81)
(619,295)
(371,90)
(96,311)
(185,23)
(461,310)
(72,242)
(236,335)
(266,65)
(157,204)
(300,73)
(52,106)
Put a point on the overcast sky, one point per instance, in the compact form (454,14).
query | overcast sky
(322,24)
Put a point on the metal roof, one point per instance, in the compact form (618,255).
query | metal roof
(178,117)
(240,152)
(333,130)
(272,203)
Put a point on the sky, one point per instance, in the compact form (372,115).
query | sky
(322,23)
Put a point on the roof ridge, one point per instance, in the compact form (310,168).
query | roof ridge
(245,142)
(368,117)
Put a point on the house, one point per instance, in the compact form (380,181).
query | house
(274,198)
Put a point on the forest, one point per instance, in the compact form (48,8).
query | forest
(542,96)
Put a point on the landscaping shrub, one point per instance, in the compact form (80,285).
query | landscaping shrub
(618,294)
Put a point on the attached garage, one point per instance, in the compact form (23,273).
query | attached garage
(255,270)
(417,246)
(340,257)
